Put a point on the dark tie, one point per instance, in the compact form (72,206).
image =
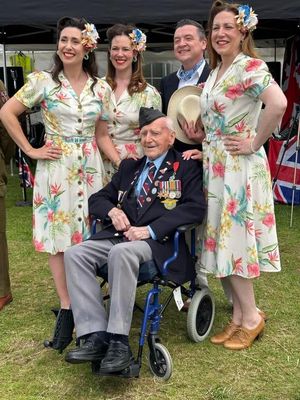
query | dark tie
(146,185)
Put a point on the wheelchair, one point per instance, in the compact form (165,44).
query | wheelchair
(200,315)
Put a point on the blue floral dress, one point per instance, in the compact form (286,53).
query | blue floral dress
(239,235)
(62,187)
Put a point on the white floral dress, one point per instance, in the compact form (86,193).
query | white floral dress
(62,187)
(240,234)
(123,122)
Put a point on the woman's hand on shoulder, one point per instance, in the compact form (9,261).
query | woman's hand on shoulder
(193,154)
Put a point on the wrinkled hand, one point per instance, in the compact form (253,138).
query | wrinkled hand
(45,153)
(236,145)
(194,131)
(119,219)
(137,233)
(194,154)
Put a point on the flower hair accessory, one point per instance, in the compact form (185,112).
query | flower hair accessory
(138,40)
(246,18)
(89,37)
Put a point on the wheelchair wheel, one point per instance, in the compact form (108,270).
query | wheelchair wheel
(201,315)
(164,367)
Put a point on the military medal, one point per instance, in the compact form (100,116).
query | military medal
(169,203)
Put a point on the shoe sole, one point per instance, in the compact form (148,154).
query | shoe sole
(81,360)
(119,368)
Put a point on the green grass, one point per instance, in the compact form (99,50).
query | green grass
(270,370)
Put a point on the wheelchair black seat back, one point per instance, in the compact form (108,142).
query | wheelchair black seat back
(200,315)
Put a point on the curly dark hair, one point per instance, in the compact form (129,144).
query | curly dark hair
(247,46)
(137,82)
(89,65)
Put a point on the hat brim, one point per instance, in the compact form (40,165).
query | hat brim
(172,113)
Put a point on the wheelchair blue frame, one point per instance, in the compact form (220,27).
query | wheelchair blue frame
(153,309)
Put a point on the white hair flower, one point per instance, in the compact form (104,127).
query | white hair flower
(89,37)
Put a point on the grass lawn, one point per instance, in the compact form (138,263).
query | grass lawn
(270,370)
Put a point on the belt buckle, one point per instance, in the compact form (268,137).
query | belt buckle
(208,138)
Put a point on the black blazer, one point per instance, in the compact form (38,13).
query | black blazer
(190,208)
(168,85)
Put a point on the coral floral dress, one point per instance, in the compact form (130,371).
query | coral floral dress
(62,187)
(240,234)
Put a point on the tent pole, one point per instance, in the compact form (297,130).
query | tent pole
(4,58)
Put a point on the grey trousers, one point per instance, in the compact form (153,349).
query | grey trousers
(4,265)
(123,259)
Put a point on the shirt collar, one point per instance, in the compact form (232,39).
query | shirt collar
(158,161)
(186,75)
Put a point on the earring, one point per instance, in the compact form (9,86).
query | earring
(86,56)
(134,58)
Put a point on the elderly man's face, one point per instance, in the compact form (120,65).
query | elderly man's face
(156,138)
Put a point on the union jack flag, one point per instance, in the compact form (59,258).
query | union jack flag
(25,174)
(283,187)
(282,154)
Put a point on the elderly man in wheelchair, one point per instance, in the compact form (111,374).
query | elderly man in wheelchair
(145,202)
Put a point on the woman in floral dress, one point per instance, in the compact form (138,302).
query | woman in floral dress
(240,237)
(69,167)
(129,91)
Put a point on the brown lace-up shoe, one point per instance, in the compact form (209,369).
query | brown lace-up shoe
(227,332)
(243,337)
(5,300)
(263,315)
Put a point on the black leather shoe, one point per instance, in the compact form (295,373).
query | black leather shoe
(93,349)
(117,357)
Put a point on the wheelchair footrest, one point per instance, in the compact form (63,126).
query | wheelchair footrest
(133,371)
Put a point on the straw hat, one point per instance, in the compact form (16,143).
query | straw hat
(184,106)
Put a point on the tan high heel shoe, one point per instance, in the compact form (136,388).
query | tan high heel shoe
(226,333)
(243,337)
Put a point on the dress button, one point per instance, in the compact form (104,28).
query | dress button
(79,158)
(79,182)
(112,135)
(79,106)
(115,110)
(79,219)
(78,145)
(79,120)
(79,132)
(114,122)
(79,194)
(79,206)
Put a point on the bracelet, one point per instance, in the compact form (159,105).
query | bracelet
(251,147)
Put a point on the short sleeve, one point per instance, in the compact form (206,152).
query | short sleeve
(256,77)
(153,98)
(33,92)
(104,94)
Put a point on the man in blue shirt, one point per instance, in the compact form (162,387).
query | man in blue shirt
(146,200)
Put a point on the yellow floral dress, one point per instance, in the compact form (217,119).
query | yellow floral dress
(62,187)
(123,122)
(240,233)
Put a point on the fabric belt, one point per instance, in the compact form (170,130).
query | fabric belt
(209,137)
(71,139)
